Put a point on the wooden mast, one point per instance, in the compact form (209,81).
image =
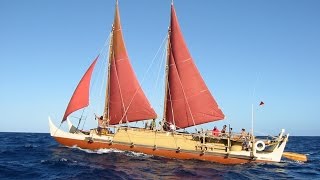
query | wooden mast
(106,106)
(166,80)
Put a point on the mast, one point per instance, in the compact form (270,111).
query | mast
(106,106)
(166,79)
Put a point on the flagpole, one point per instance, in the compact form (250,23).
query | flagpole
(252,136)
(252,118)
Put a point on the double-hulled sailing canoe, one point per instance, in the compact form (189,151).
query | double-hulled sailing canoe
(187,102)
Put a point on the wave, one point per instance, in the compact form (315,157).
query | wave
(108,151)
(135,154)
(98,151)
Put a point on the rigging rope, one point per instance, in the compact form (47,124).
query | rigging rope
(84,122)
(174,122)
(123,106)
(163,77)
(80,120)
(96,96)
(142,80)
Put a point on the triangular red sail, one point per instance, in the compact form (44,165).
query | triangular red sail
(80,97)
(189,101)
(127,102)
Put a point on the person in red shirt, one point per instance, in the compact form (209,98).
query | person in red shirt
(215,131)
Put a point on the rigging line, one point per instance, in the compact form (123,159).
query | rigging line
(96,97)
(101,52)
(159,70)
(80,119)
(123,106)
(102,75)
(85,119)
(102,55)
(163,60)
(153,60)
(161,105)
(105,45)
(174,122)
(105,69)
(142,80)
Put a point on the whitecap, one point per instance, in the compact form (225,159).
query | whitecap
(98,151)
(105,151)
(136,154)
(63,160)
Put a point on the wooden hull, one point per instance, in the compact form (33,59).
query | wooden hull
(164,144)
(223,159)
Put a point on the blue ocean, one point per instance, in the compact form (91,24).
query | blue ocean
(38,156)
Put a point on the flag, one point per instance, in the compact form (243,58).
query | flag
(261,103)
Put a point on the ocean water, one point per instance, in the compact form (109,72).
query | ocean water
(38,156)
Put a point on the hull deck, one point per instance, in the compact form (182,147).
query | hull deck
(212,157)
(169,144)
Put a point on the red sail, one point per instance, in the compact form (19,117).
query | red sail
(189,101)
(80,97)
(127,102)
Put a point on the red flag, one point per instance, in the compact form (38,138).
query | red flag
(261,103)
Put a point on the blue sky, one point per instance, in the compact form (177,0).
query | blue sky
(270,46)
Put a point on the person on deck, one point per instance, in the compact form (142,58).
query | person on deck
(246,138)
(224,130)
(101,123)
(165,126)
(243,133)
(153,125)
(172,127)
(215,131)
